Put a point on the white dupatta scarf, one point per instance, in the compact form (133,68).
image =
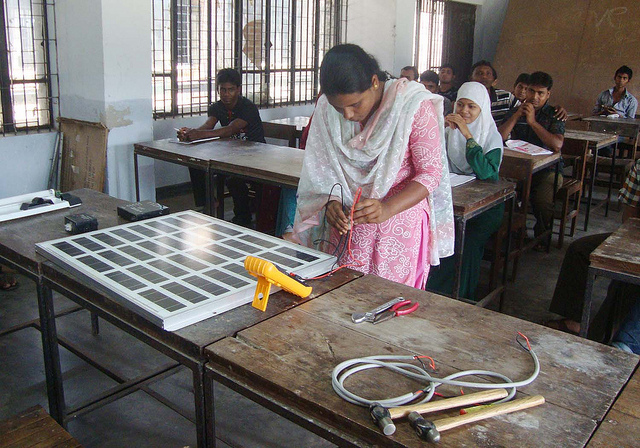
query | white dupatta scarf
(338,152)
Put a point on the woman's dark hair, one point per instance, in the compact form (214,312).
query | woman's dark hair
(347,68)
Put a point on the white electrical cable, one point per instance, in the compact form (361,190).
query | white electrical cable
(394,363)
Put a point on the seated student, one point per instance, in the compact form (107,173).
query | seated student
(484,73)
(568,297)
(410,72)
(474,146)
(617,99)
(534,122)
(447,78)
(239,119)
(519,89)
(430,80)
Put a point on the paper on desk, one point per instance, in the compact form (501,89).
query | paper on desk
(527,148)
(459,179)
(175,140)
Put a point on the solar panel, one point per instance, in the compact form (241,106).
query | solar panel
(178,269)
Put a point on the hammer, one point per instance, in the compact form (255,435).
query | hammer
(430,431)
(382,416)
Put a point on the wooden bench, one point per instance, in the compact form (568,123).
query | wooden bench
(34,427)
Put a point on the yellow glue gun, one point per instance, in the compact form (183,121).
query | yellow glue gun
(267,273)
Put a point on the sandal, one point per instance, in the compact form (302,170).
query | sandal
(8,282)
(560,325)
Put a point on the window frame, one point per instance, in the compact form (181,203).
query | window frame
(8,105)
(232,55)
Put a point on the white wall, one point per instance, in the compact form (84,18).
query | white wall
(104,49)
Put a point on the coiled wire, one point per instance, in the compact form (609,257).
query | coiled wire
(397,364)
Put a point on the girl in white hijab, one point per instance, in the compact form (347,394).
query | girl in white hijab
(474,146)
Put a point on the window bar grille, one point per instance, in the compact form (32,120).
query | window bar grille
(210,52)
(294,56)
(316,49)
(237,25)
(173,56)
(5,79)
(264,75)
(47,60)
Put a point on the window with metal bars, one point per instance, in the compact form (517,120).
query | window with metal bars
(429,34)
(27,94)
(277,46)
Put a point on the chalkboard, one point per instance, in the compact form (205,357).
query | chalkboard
(580,43)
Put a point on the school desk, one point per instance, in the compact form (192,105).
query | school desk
(593,142)
(470,200)
(17,249)
(285,364)
(272,164)
(184,346)
(617,258)
(526,165)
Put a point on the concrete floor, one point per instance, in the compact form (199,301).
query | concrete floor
(141,420)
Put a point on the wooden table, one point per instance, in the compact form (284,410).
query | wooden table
(278,165)
(594,142)
(186,346)
(626,127)
(299,123)
(620,426)
(469,200)
(285,363)
(572,116)
(617,258)
(17,249)
(34,427)
(534,164)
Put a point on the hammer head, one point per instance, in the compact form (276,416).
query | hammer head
(425,429)
(381,417)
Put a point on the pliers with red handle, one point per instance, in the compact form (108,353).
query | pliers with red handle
(399,309)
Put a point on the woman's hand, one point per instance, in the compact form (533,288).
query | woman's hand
(370,211)
(456,121)
(336,217)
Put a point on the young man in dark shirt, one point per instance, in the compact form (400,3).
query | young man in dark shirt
(447,76)
(239,118)
(534,121)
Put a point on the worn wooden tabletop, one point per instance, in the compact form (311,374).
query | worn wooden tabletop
(261,161)
(621,251)
(33,427)
(299,122)
(601,139)
(289,360)
(478,194)
(19,236)
(539,162)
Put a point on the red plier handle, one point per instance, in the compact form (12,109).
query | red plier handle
(400,311)
(397,310)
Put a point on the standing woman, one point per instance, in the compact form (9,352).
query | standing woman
(474,146)
(385,139)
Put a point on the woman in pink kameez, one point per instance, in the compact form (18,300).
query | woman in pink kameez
(385,140)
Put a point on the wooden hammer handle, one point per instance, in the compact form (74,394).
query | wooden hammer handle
(449,403)
(491,411)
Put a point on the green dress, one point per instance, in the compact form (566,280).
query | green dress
(478,231)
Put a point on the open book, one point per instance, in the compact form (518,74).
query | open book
(527,148)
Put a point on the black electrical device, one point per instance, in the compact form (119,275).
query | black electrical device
(80,223)
(142,210)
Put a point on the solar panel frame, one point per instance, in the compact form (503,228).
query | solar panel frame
(190,265)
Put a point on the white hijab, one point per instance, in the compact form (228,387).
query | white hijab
(483,129)
(339,152)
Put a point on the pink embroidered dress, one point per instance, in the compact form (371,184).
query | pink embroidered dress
(401,142)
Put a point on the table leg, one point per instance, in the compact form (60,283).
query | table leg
(613,166)
(53,372)
(209,409)
(507,250)
(202,422)
(459,248)
(591,185)
(135,169)
(586,306)
(220,195)
(555,190)
(208,197)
